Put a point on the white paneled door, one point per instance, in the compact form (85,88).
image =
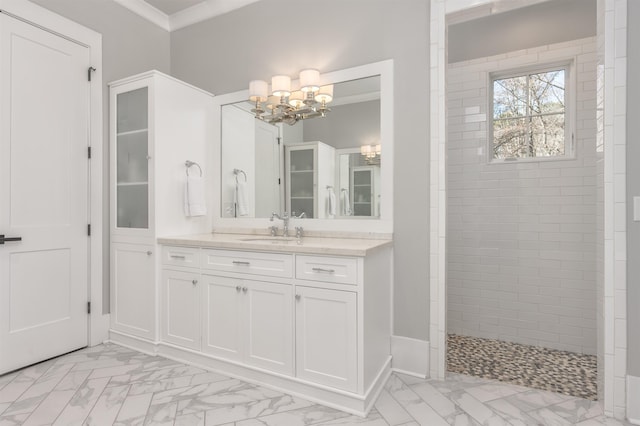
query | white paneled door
(44,112)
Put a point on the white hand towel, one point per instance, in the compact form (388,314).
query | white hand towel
(194,200)
(332,202)
(241,198)
(346,203)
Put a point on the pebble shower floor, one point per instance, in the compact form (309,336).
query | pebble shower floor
(531,366)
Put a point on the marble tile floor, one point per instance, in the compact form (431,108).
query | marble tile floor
(112,385)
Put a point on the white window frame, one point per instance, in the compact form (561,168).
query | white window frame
(568,66)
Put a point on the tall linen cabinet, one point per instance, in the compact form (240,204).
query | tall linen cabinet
(157,124)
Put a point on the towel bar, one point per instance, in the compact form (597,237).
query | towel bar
(189,163)
(237,172)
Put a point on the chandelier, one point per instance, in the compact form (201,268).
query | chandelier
(371,153)
(286,106)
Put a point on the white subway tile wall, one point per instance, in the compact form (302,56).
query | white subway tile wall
(521,236)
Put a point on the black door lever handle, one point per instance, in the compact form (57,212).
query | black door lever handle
(3,239)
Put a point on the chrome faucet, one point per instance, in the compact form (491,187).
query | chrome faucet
(285,219)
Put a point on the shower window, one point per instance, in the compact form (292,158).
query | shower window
(531,115)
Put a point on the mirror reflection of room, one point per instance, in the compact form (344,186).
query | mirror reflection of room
(318,168)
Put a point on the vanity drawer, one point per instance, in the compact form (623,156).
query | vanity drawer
(340,270)
(180,256)
(268,264)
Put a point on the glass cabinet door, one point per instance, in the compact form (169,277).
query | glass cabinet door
(132,145)
(301,181)
(362,191)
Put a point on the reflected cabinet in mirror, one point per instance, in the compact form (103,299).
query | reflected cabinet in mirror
(332,167)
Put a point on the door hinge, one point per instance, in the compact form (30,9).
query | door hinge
(89,229)
(88,152)
(278,138)
(88,307)
(89,71)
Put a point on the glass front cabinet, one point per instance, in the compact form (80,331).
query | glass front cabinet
(157,124)
(132,159)
(310,168)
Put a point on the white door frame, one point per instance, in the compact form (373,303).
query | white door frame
(49,21)
(612,132)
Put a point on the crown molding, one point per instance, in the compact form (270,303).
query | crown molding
(189,16)
(148,12)
(203,11)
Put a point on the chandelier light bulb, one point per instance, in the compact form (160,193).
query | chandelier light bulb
(309,80)
(273,102)
(281,85)
(325,94)
(258,90)
(296,99)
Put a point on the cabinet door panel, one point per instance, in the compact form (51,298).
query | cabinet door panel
(133,281)
(326,337)
(131,155)
(181,308)
(222,316)
(269,330)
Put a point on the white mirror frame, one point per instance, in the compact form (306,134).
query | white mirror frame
(384,225)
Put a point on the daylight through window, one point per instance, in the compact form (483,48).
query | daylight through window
(529,115)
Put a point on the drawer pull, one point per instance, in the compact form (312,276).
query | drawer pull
(178,256)
(328,271)
(149,252)
(244,289)
(238,288)
(194,282)
(240,262)
(297,297)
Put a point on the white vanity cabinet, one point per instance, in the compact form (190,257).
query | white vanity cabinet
(181,295)
(326,337)
(249,321)
(315,324)
(248,315)
(157,123)
(133,289)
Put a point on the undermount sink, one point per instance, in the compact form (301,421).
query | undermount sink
(271,239)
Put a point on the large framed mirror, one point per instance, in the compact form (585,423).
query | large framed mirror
(333,173)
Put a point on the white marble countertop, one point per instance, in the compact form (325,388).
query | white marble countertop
(256,242)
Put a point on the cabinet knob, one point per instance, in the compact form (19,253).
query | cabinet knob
(297,297)
(149,252)
(244,289)
(194,282)
(238,288)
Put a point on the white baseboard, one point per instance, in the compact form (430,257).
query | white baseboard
(410,356)
(633,396)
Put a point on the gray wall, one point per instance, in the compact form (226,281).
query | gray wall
(536,25)
(130,45)
(633,188)
(272,37)
(346,126)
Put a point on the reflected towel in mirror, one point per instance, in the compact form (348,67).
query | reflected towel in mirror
(241,199)
(331,198)
(194,200)
(346,203)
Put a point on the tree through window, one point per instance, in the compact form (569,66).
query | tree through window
(529,115)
